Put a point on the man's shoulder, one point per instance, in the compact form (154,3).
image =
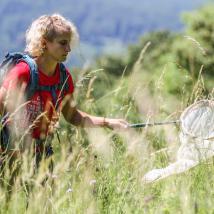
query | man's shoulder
(21,68)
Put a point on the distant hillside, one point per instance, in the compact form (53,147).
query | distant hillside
(101,23)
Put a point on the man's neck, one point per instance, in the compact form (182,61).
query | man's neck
(46,65)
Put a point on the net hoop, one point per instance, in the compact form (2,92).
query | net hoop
(197,120)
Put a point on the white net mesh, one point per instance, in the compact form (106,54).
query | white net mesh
(197,120)
(196,137)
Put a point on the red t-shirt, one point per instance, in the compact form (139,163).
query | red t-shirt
(40,102)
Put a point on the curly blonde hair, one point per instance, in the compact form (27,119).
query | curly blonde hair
(47,27)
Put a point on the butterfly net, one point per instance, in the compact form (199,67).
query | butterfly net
(197,121)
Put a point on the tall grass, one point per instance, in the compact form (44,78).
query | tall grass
(100,170)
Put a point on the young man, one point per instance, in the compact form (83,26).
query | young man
(48,41)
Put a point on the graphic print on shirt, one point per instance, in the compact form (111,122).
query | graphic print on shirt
(31,112)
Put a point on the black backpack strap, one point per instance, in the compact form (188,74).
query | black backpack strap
(4,134)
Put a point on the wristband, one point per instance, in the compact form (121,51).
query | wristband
(104,122)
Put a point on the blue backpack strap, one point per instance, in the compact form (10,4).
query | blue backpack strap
(62,86)
(63,77)
(12,55)
(33,85)
(11,59)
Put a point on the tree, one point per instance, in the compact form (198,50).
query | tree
(197,47)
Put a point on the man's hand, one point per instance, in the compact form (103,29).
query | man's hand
(116,123)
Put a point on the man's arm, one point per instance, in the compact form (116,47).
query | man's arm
(80,118)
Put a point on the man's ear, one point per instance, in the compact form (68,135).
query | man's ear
(44,43)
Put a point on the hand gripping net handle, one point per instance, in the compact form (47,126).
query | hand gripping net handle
(197,120)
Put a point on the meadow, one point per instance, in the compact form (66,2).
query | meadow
(100,170)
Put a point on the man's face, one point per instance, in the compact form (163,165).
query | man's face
(59,48)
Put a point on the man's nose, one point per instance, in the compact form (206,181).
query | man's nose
(68,48)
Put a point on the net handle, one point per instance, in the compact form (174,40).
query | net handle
(142,125)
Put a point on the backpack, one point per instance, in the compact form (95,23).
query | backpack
(10,60)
